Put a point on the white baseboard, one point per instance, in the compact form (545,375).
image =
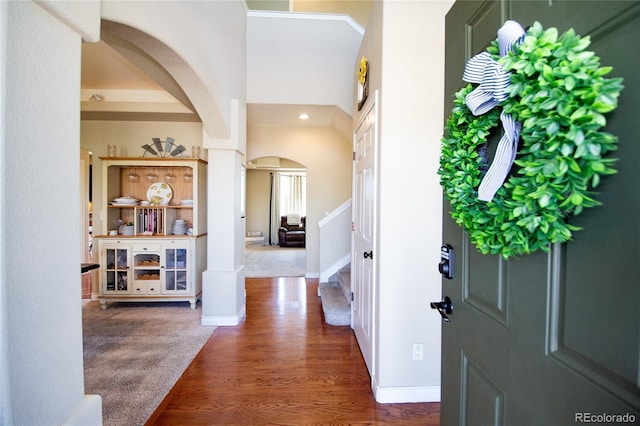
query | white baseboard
(223,321)
(311,275)
(393,395)
(88,413)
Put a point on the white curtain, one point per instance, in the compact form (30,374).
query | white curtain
(293,193)
(288,194)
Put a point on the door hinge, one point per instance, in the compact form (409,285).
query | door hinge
(352,296)
(354,156)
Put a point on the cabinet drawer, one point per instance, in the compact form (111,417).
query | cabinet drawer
(153,288)
(145,287)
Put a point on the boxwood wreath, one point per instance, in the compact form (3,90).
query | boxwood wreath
(559,94)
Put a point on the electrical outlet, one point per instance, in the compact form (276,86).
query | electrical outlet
(418,351)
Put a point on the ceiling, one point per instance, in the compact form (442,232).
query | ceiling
(123,90)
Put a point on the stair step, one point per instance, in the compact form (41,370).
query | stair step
(337,309)
(344,278)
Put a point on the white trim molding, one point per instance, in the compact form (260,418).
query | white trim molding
(335,213)
(389,395)
(332,269)
(89,412)
(223,321)
(307,15)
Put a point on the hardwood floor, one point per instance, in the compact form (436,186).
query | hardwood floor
(282,365)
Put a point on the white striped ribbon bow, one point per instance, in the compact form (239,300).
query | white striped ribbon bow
(492,89)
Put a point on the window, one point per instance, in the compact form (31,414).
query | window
(293,192)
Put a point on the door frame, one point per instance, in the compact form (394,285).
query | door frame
(370,359)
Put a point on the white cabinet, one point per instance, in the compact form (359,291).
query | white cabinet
(152,270)
(150,263)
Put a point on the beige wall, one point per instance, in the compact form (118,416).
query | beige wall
(327,157)
(404,44)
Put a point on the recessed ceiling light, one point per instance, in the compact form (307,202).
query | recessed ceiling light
(303,116)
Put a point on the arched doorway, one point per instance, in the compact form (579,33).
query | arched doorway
(275,218)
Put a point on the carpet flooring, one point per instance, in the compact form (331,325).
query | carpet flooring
(274,261)
(135,352)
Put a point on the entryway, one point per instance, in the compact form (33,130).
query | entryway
(276,193)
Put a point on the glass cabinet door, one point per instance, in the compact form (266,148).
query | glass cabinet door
(117,269)
(176,267)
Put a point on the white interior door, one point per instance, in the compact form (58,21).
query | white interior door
(364,235)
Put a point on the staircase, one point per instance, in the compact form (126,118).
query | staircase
(336,297)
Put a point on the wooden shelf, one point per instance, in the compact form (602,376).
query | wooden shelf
(133,177)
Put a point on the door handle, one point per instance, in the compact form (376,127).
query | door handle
(444,308)
(368,254)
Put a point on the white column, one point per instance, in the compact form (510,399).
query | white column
(223,293)
(41,371)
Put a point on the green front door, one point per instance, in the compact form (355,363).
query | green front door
(551,339)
